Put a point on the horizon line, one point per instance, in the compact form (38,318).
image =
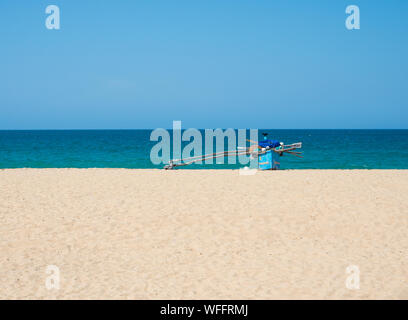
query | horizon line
(214,128)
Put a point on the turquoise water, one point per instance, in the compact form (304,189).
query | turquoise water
(323,149)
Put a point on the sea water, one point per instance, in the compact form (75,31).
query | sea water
(322,149)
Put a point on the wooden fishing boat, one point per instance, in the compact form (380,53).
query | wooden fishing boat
(267,151)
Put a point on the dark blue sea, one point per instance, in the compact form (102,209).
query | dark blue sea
(322,149)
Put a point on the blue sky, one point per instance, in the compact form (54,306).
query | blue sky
(214,63)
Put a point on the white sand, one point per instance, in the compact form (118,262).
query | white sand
(203,234)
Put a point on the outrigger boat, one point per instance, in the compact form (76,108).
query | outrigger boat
(267,151)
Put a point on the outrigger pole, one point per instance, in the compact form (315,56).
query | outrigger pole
(190,160)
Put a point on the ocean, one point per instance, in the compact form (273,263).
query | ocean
(322,149)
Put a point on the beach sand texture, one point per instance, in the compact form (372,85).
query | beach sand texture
(203,234)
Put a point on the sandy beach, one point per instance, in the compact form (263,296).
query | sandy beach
(203,234)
